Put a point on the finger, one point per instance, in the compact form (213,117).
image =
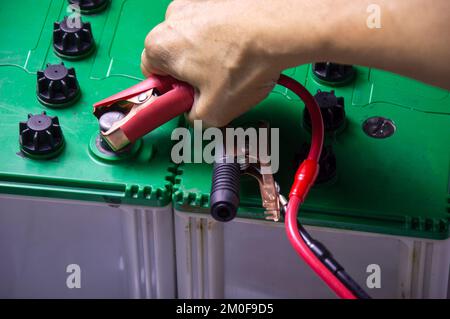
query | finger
(201,111)
(218,114)
(157,56)
(147,69)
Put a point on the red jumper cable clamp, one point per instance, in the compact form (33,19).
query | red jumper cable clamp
(145,106)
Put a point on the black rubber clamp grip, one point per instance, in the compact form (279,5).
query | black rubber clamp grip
(224,201)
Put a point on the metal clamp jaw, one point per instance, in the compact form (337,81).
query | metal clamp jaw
(261,171)
(146,106)
(269,191)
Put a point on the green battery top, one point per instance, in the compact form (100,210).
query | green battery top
(78,170)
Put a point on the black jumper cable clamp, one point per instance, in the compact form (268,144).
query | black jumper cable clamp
(227,170)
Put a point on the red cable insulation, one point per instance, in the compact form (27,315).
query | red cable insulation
(314,112)
(303,181)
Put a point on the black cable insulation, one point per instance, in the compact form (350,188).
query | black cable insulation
(325,256)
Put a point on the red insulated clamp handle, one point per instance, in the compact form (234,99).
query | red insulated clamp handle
(167,106)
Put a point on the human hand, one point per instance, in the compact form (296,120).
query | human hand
(231,51)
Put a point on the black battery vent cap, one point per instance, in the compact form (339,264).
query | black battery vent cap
(90,6)
(332,109)
(57,86)
(41,136)
(333,73)
(327,162)
(72,38)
